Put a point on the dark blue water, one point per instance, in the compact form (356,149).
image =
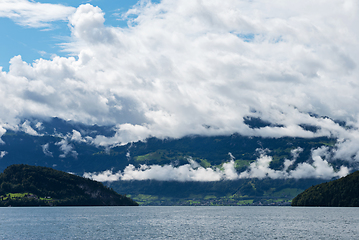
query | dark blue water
(179,223)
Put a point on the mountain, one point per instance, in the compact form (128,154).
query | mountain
(54,144)
(24,185)
(271,168)
(343,192)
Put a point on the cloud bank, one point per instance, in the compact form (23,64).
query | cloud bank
(194,67)
(194,172)
(320,168)
(188,172)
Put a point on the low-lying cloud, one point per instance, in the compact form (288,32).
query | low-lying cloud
(184,173)
(2,154)
(45,150)
(320,168)
(2,132)
(194,172)
(28,129)
(67,149)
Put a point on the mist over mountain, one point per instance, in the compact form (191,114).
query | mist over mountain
(73,147)
(246,167)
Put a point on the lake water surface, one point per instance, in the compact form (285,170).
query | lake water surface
(179,223)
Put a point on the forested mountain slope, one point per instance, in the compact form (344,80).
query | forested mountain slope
(343,192)
(24,185)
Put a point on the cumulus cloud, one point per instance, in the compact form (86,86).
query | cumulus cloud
(197,67)
(87,25)
(34,14)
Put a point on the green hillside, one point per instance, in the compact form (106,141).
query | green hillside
(24,185)
(343,192)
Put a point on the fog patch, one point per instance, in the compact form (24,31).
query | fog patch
(2,132)
(66,148)
(105,176)
(45,149)
(2,154)
(39,126)
(29,130)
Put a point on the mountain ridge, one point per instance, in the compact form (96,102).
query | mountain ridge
(69,146)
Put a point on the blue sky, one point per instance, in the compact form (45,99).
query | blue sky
(34,43)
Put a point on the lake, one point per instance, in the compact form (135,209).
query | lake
(240,222)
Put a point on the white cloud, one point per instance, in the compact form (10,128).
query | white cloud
(76,136)
(188,172)
(2,154)
(319,169)
(39,126)
(196,67)
(45,149)
(28,129)
(88,26)
(105,176)
(2,132)
(194,172)
(66,148)
(34,14)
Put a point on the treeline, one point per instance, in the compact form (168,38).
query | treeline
(343,192)
(62,188)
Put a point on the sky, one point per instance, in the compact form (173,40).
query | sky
(172,68)
(34,38)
